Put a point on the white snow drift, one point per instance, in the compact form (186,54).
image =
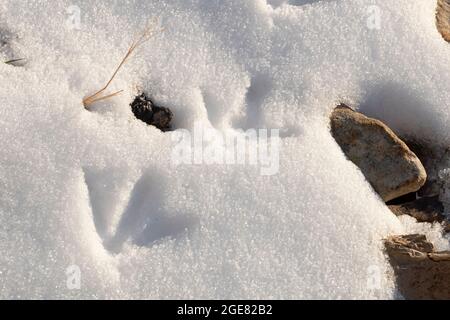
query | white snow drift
(96,191)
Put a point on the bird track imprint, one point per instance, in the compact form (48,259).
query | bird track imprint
(138,216)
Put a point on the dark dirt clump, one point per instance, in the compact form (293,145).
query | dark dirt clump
(145,110)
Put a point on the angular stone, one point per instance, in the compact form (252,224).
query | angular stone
(385,160)
(439,256)
(421,273)
(443,18)
(417,242)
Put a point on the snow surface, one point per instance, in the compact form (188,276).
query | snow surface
(97,189)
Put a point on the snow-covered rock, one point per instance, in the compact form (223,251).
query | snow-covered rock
(425,209)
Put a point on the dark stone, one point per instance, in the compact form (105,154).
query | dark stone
(427,209)
(145,110)
(431,156)
(403,199)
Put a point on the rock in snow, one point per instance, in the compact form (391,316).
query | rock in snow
(443,18)
(386,161)
(421,272)
(434,158)
(428,209)
(144,109)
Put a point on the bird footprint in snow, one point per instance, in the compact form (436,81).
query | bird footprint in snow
(138,216)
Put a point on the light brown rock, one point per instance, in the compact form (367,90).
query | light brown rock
(385,160)
(421,273)
(443,18)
